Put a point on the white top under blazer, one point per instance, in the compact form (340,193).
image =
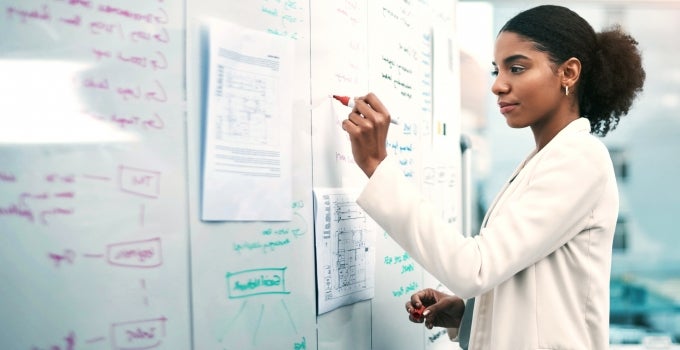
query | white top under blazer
(541,264)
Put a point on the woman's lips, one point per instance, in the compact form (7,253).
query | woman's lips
(507,107)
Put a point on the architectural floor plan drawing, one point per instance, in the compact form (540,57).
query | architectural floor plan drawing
(345,249)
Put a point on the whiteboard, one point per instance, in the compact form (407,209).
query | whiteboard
(102,243)
(93,195)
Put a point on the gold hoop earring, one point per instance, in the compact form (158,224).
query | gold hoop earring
(566,90)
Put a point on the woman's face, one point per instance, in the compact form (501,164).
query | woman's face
(527,85)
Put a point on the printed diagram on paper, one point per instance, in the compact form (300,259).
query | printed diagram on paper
(248,109)
(345,248)
(247,144)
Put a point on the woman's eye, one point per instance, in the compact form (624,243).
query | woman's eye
(516,69)
(494,72)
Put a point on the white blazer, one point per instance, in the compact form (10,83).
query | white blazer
(541,263)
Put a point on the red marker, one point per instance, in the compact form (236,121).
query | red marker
(418,313)
(349,102)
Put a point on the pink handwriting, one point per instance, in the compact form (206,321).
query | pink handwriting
(353,20)
(127,93)
(137,93)
(40,196)
(345,78)
(74,21)
(152,122)
(162,36)
(159,62)
(99,54)
(54,211)
(95,340)
(107,28)
(69,340)
(63,178)
(143,254)
(14,210)
(135,254)
(67,256)
(7,177)
(43,196)
(97,177)
(83,3)
(158,96)
(340,157)
(161,18)
(29,14)
(136,335)
(140,334)
(96,84)
(145,183)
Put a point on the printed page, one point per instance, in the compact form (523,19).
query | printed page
(247,142)
(345,249)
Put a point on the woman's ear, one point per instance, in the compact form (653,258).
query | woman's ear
(570,72)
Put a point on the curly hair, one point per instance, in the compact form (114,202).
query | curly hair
(611,75)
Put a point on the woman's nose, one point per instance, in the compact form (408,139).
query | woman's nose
(499,86)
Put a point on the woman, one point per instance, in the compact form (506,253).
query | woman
(539,267)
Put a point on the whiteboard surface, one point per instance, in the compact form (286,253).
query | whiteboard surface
(93,230)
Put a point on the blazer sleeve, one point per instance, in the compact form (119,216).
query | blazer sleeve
(546,211)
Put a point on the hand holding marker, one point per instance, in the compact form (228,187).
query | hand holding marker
(349,102)
(419,313)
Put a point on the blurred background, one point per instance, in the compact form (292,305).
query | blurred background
(645,284)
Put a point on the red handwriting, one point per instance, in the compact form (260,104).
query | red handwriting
(42,14)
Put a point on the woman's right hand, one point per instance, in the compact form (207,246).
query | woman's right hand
(441,309)
(367,126)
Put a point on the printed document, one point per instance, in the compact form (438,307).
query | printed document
(247,126)
(345,249)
